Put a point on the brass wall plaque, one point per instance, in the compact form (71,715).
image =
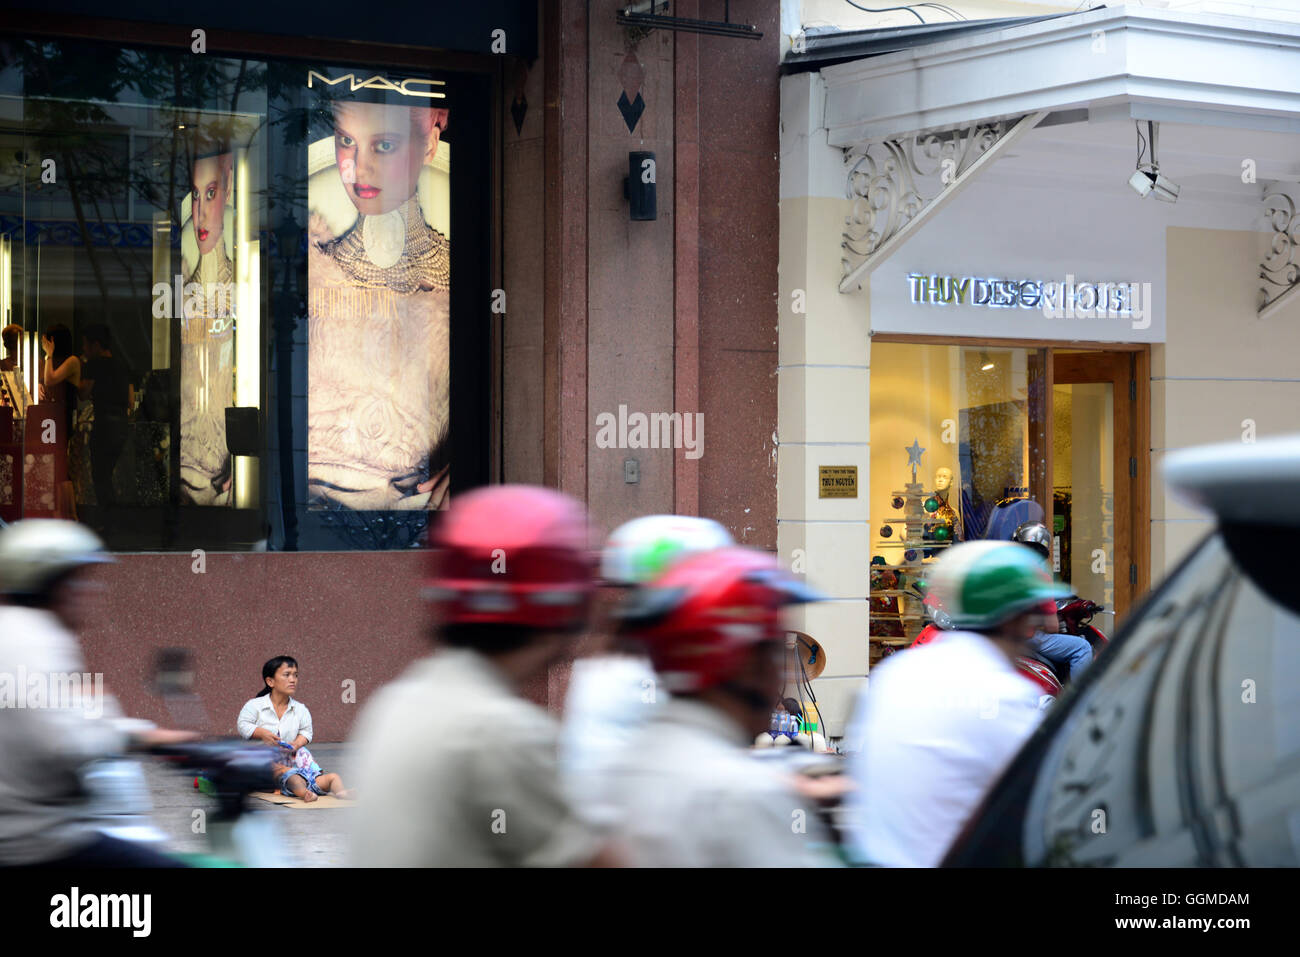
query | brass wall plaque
(837,481)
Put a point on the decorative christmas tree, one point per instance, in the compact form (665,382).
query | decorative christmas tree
(923,536)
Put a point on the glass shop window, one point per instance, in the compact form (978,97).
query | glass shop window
(132,201)
(225,292)
(955,456)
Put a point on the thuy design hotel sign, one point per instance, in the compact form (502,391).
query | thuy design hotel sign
(1061,300)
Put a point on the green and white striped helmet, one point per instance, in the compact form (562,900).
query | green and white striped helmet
(642,549)
(982,584)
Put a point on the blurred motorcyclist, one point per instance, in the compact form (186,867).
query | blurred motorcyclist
(51,725)
(611,694)
(1070,654)
(691,793)
(456,767)
(939,723)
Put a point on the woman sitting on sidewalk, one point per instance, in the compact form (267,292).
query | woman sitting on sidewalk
(274,717)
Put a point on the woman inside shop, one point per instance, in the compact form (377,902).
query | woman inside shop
(60,380)
(274,717)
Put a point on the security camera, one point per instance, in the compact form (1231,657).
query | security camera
(1149,181)
(1146,179)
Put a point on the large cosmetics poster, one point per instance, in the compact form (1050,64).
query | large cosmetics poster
(379,283)
(207,325)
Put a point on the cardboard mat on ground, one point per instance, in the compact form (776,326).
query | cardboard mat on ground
(322,801)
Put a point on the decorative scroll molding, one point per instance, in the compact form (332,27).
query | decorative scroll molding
(1280,270)
(889,180)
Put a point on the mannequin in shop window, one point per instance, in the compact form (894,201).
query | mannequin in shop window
(946,522)
(946,513)
(12,336)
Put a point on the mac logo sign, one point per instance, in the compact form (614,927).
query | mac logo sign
(408,87)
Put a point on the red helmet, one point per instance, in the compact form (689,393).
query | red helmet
(512,555)
(699,619)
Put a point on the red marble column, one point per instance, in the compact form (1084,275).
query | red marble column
(565,337)
(739,106)
(686,253)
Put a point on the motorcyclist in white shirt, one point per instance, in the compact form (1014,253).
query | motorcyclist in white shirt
(52,726)
(690,791)
(611,694)
(939,723)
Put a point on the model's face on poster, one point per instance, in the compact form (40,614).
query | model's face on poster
(380,150)
(210,186)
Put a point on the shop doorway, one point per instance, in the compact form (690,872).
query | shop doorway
(1098,471)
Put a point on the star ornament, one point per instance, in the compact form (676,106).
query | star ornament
(914,453)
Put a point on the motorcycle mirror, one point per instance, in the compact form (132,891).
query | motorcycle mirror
(174,681)
(173,672)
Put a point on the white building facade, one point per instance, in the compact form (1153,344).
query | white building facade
(972,284)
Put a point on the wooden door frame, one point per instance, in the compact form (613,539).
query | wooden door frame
(1131,389)
(1132,484)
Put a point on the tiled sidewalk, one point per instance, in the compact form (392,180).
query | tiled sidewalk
(311,838)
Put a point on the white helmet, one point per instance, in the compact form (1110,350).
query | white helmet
(35,552)
(642,549)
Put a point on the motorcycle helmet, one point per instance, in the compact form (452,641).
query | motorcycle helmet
(36,553)
(1036,536)
(700,618)
(983,584)
(512,555)
(642,549)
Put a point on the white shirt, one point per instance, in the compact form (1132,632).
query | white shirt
(693,795)
(64,722)
(471,782)
(939,723)
(610,698)
(260,713)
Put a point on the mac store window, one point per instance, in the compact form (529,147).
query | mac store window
(233,312)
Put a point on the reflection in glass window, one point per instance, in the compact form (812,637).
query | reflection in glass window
(132,215)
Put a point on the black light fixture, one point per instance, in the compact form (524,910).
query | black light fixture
(644,14)
(639,186)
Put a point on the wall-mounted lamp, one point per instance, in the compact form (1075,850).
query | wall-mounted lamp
(985,362)
(639,187)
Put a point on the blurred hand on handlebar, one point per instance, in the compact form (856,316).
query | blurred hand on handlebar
(828,789)
(159,736)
